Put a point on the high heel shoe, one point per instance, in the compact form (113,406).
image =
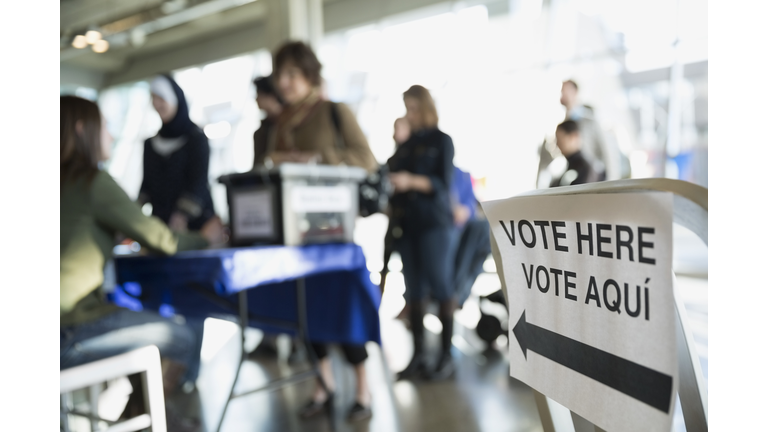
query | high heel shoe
(444,369)
(358,412)
(417,368)
(313,407)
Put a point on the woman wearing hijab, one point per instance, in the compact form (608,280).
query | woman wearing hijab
(176,162)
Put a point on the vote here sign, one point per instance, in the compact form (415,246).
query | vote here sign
(591,307)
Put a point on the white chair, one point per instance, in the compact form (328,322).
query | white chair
(144,361)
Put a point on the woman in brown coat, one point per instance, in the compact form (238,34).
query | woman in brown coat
(311,129)
(306,131)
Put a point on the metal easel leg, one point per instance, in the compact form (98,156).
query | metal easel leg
(93,401)
(557,418)
(580,424)
(544,413)
(692,388)
(66,406)
(242,300)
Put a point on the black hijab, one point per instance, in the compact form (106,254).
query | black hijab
(181,123)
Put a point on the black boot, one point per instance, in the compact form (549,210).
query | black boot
(418,365)
(445,367)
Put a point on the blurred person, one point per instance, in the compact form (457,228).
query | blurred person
(402,130)
(601,155)
(269,101)
(93,210)
(473,233)
(306,132)
(271,104)
(176,160)
(423,227)
(579,169)
(472,229)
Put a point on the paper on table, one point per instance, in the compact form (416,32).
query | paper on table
(253,213)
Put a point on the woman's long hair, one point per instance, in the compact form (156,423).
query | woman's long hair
(426,106)
(80,138)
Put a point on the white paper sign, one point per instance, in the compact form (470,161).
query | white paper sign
(320,199)
(253,214)
(591,306)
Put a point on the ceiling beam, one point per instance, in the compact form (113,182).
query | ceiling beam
(241,41)
(344,14)
(75,76)
(261,24)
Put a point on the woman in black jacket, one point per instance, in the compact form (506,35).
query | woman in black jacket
(176,162)
(422,226)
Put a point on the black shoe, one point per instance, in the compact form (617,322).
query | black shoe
(175,422)
(359,412)
(313,408)
(445,368)
(416,368)
(296,356)
(264,350)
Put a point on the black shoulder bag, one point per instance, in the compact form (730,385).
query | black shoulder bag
(375,189)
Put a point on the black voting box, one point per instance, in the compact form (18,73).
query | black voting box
(293,204)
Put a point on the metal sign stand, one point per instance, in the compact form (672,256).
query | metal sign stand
(690,211)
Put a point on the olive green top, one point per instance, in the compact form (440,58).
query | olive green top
(91,216)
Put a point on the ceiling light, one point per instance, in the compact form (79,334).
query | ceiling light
(138,37)
(79,42)
(92,36)
(100,46)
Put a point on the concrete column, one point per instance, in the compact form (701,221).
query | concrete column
(295,20)
(315,22)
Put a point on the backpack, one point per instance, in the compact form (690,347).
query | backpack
(375,189)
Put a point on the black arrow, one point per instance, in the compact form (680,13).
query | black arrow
(646,385)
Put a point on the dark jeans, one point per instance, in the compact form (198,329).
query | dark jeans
(355,354)
(473,249)
(428,263)
(125,330)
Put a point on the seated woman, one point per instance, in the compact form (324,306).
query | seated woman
(312,129)
(94,209)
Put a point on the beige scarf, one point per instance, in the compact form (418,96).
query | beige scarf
(291,118)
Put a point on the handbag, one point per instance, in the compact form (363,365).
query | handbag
(374,191)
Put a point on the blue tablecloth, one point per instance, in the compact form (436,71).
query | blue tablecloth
(342,302)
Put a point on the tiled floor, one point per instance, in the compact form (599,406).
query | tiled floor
(482,397)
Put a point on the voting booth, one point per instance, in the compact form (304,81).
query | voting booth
(596,328)
(293,204)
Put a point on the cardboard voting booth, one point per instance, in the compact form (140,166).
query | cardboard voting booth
(293,204)
(594,322)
